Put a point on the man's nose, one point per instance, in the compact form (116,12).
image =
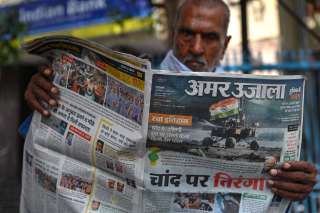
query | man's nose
(197,46)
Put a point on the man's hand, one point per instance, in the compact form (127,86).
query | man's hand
(41,91)
(294,180)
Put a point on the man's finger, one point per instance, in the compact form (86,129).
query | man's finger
(299,166)
(34,104)
(40,94)
(46,85)
(289,195)
(290,186)
(293,176)
(46,71)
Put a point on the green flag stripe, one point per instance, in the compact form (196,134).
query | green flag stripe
(225,114)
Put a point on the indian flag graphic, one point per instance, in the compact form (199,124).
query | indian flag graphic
(224,108)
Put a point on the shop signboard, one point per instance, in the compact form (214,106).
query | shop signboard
(42,16)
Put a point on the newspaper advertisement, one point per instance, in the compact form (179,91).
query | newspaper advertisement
(88,155)
(125,138)
(212,139)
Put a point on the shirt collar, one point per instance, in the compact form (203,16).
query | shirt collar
(170,62)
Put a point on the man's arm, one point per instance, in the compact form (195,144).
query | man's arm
(294,180)
(41,90)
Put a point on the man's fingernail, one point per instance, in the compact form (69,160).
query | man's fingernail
(47,71)
(52,102)
(54,90)
(273,172)
(45,112)
(286,165)
(273,189)
(270,182)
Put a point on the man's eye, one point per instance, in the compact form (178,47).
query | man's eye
(186,34)
(212,36)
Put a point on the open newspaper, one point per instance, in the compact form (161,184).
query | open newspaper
(126,138)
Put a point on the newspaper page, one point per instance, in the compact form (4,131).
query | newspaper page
(88,155)
(212,138)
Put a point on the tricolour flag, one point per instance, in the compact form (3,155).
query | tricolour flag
(224,108)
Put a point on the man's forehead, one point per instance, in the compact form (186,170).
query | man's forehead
(215,13)
(206,17)
(198,24)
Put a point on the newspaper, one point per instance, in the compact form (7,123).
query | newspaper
(213,138)
(126,138)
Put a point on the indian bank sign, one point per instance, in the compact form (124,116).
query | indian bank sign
(50,15)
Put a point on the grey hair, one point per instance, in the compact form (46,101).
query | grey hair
(205,3)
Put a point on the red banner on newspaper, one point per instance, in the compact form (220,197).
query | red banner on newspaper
(80,133)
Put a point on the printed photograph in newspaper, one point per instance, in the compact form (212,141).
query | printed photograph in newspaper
(219,118)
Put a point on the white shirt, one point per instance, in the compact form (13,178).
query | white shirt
(170,62)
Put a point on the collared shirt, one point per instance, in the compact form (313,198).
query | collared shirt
(170,62)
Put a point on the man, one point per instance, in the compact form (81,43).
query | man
(200,41)
(200,36)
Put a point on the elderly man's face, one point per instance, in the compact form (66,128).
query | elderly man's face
(200,37)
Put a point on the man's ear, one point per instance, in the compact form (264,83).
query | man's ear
(226,42)
(225,45)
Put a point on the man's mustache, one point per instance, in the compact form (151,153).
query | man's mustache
(198,59)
